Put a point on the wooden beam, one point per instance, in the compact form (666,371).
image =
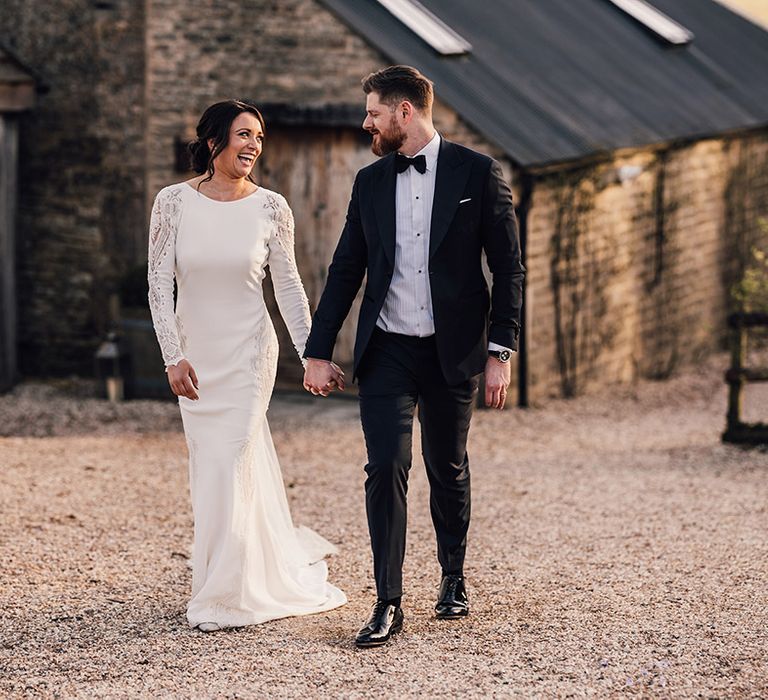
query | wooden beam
(746,434)
(16,97)
(748,320)
(748,374)
(327,115)
(8,156)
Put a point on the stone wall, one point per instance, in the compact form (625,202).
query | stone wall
(301,55)
(8,196)
(631,279)
(81,210)
(126,82)
(291,52)
(629,260)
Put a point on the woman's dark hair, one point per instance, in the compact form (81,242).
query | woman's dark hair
(215,124)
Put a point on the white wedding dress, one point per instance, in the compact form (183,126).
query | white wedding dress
(249,563)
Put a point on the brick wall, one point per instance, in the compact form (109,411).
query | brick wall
(126,80)
(292,52)
(626,278)
(300,55)
(630,279)
(81,208)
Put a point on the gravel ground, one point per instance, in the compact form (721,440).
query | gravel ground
(617,548)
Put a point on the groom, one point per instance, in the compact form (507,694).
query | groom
(418,221)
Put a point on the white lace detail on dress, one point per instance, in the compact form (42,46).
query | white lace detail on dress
(282,217)
(264,362)
(289,291)
(163,227)
(182,335)
(192,450)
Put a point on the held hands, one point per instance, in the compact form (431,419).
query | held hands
(321,377)
(497,378)
(183,380)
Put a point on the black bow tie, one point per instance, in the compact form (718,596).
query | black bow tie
(403,162)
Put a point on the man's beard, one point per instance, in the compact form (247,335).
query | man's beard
(389,142)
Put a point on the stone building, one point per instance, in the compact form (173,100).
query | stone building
(637,150)
(17,95)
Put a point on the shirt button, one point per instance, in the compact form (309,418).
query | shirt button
(418,234)
(419,271)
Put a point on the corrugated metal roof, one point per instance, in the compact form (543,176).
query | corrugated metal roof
(557,80)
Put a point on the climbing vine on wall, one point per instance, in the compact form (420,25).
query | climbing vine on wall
(663,305)
(746,230)
(579,278)
(750,293)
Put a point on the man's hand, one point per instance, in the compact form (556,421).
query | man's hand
(321,377)
(497,378)
(183,380)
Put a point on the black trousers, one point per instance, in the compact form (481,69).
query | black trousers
(397,373)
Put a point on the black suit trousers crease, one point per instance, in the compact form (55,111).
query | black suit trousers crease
(397,374)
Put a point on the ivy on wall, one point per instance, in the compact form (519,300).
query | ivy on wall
(579,278)
(746,230)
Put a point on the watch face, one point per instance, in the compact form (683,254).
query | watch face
(504,355)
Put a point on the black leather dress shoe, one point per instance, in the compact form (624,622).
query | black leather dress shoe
(385,620)
(452,601)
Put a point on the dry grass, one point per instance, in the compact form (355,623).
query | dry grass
(617,547)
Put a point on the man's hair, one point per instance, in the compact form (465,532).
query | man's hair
(398,83)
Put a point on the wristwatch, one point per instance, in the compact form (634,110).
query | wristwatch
(500,355)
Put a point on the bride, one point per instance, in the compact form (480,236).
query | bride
(216,234)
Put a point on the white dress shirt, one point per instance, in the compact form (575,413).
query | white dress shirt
(407,307)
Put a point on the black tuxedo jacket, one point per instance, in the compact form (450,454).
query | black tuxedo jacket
(460,231)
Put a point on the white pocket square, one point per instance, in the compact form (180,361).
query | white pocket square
(468,199)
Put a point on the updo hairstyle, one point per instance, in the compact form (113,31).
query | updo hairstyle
(215,125)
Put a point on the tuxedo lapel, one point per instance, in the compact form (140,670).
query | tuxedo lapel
(451,177)
(384,205)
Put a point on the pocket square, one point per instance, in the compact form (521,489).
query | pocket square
(468,199)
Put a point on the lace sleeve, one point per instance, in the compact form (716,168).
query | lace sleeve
(289,291)
(161,270)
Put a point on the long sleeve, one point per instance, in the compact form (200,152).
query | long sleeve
(161,270)
(289,290)
(502,247)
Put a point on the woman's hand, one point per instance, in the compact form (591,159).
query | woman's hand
(183,380)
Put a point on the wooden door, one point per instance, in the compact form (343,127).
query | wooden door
(314,168)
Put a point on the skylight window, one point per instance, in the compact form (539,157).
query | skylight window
(428,27)
(656,21)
